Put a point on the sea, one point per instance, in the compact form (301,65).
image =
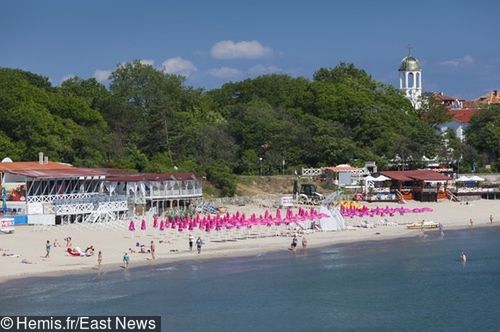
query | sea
(411,284)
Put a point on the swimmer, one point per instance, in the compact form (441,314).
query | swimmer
(463,258)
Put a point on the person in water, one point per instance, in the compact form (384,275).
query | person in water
(463,258)
(99,259)
(294,243)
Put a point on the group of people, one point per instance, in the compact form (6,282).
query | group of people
(89,251)
(199,243)
(295,241)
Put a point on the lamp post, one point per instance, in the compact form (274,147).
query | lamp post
(283,164)
(260,165)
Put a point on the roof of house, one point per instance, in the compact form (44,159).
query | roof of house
(442,97)
(54,170)
(419,175)
(463,115)
(340,168)
(32,165)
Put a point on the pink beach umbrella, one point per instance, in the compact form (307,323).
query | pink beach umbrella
(155,223)
(162,225)
(143,225)
(131,226)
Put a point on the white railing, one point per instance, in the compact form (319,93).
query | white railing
(180,193)
(311,171)
(51,198)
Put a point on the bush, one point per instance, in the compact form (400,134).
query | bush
(222,178)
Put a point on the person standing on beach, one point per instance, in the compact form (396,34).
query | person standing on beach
(48,246)
(491,219)
(153,250)
(126,259)
(99,259)
(68,241)
(191,242)
(304,242)
(199,243)
(471,223)
(294,243)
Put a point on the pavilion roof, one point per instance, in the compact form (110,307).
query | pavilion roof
(415,175)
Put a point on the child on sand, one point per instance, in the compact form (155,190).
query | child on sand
(48,246)
(126,259)
(294,243)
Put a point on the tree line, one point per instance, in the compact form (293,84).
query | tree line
(150,121)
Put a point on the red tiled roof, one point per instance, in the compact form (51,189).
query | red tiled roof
(446,98)
(71,172)
(463,115)
(420,175)
(340,168)
(32,165)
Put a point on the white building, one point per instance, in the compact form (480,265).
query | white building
(410,80)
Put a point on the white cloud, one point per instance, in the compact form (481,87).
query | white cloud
(459,62)
(147,62)
(264,69)
(102,75)
(178,66)
(67,77)
(225,72)
(227,49)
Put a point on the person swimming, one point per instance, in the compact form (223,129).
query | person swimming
(463,257)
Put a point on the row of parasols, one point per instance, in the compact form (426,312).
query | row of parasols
(228,221)
(359,210)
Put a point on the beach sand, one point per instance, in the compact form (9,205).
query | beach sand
(29,242)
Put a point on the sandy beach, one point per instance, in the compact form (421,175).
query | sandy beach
(28,242)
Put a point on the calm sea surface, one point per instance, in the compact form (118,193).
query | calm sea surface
(413,284)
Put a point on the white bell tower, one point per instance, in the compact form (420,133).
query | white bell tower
(410,79)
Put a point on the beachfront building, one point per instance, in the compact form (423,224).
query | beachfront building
(420,185)
(410,79)
(154,192)
(56,193)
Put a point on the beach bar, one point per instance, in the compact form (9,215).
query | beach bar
(420,185)
(54,193)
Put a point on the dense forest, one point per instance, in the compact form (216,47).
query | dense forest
(151,121)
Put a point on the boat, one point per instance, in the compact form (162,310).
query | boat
(423,225)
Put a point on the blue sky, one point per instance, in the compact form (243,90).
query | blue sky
(213,42)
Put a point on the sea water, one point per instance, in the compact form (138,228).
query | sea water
(413,284)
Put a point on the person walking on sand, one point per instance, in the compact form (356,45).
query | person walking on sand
(48,246)
(153,250)
(199,243)
(471,223)
(126,259)
(491,219)
(191,242)
(99,259)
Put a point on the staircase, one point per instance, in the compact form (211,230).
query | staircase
(452,196)
(400,197)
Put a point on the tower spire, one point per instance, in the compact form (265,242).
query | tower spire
(408,46)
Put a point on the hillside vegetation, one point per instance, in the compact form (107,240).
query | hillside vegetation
(151,121)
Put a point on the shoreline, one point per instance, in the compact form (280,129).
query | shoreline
(215,254)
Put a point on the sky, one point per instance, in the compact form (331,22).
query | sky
(212,42)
